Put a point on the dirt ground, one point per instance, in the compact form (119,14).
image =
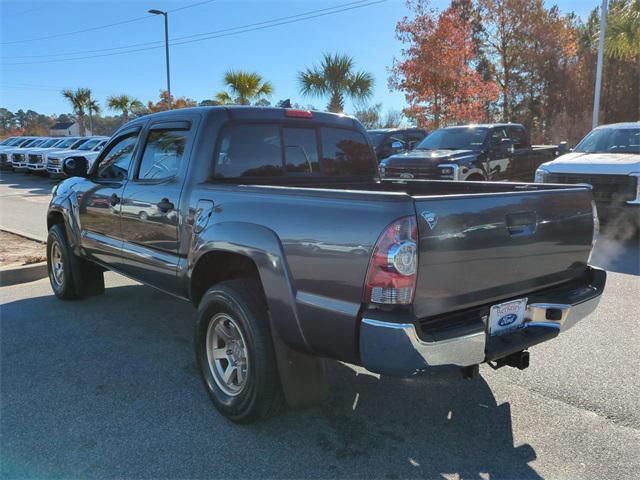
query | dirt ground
(16,250)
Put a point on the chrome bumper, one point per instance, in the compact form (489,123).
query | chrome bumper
(396,349)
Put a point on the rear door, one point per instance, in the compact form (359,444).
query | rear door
(480,248)
(150,202)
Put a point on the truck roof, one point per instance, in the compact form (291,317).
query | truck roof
(486,125)
(261,113)
(620,125)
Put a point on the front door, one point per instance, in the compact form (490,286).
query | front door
(150,206)
(500,164)
(99,201)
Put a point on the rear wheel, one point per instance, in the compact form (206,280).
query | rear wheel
(234,351)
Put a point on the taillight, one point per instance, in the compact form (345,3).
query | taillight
(391,278)
(298,113)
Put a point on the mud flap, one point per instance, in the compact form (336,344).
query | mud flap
(303,377)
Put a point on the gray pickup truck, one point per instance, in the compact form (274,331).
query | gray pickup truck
(274,224)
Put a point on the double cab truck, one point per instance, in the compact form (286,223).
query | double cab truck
(495,152)
(608,159)
(275,225)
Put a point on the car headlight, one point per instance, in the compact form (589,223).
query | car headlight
(541,173)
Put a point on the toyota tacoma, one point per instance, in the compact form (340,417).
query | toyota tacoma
(274,224)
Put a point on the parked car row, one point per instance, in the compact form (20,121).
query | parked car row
(45,155)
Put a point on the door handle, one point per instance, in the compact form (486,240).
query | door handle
(165,205)
(524,223)
(114,200)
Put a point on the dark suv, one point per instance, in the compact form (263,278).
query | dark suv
(389,141)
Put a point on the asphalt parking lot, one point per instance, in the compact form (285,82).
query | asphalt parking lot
(108,388)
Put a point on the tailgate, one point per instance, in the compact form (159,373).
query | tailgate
(479,248)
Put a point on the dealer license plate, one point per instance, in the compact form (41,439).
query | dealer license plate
(507,317)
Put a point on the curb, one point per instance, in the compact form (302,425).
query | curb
(23,274)
(23,234)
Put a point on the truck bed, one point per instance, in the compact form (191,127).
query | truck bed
(478,242)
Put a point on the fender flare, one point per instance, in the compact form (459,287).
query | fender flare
(264,248)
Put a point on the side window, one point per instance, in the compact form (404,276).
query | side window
(301,150)
(249,150)
(519,137)
(346,152)
(163,154)
(496,137)
(115,164)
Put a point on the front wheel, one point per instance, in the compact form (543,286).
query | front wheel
(234,351)
(70,277)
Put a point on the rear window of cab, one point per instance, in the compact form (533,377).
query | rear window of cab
(273,150)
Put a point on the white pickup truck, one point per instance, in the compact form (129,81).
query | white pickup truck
(608,159)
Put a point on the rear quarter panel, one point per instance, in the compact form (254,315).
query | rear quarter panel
(327,238)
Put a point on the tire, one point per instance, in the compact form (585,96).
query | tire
(70,277)
(233,320)
(475,178)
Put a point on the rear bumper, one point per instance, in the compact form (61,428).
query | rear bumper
(393,346)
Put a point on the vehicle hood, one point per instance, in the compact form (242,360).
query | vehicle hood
(68,153)
(11,151)
(429,157)
(595,163)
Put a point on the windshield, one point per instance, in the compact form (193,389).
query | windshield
(89,144)
(457,138)
(8,141)
(76,145)
(611,140)
(67,143)
(49,143)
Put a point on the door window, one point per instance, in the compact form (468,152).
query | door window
(518,137)
(115,164)
(301,150)
(163,154)
(496,137)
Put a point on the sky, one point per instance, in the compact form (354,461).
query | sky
(32,75)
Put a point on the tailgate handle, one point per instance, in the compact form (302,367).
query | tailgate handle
(523,223)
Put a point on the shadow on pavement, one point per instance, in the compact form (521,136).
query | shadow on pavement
(27,184)
(108,387)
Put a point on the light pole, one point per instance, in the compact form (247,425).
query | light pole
(596,95)
(166,46)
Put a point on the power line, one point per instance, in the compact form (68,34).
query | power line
(100,27)
(212,35)
(176,39)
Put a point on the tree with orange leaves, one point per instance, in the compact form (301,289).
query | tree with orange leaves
(176,103)
(438,71)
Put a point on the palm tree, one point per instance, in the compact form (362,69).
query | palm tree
(336,78)
(125,104)
(92,107)
(78,100)
(244,87)
(623,30)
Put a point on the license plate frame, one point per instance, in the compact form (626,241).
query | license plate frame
(507,317)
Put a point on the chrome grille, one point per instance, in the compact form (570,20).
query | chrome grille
(417,172)
(607,189)
(33,158)
(18,157)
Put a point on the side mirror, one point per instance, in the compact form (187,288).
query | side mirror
(75,166)
(506,145)
(397,145)
(562,148)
